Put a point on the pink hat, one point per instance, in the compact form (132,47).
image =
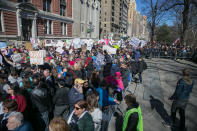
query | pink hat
(72,63)
(118,74)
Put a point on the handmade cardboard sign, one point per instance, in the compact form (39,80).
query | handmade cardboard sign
(16,58)
(36,57)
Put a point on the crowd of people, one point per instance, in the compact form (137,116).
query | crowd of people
(168,51)
(72,90)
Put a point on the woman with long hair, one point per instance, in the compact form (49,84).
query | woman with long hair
(14,92)
(93,108)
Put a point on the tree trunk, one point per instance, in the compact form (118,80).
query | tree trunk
(185,20)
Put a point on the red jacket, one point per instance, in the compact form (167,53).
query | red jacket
(21,103)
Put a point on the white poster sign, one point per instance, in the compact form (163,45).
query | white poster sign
(36,57)
(16,58)
(60,50)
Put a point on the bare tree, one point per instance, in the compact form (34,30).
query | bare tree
(184,6)
(152,9)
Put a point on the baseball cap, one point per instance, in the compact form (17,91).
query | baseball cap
(79,81)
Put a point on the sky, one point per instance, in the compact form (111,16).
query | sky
(140,5)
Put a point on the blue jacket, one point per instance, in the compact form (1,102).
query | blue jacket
(137,55)
(74,96)
(183,89)
(26,126)
(104,98)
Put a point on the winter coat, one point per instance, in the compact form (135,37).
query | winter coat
(21,103)
(74,96)
(61,96)
(104,98)
(141,66)
(85,123)
(125,76)
(183,89)
(39,98)
(26,126)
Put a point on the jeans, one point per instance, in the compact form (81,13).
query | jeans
(45,117)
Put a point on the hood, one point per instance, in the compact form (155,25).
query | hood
(187,80)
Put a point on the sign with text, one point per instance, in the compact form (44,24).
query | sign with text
(16,58)
(36,57)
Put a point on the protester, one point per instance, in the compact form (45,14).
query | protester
(76,92)
(93,108)
(14,92)
(9,106)
(181,97)
(133,117)
(61,100)
(58,124)
(40,105)
(16,123)
(80,119)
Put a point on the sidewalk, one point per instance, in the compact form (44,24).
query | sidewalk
(151,119)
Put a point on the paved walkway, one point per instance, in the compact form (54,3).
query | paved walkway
(159,81)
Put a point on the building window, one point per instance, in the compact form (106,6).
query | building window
(19,1)
(104,25)
(64,28)
(105,1)
(105,19)
(62,7)
(1,22)
(47,5)
(105,13)
(48,27)
(104,31)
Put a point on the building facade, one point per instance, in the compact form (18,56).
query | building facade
(110,18)
(124,6)
(137,23)
(44,19)
(86,15)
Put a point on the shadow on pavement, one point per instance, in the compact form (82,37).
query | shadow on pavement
(159,107)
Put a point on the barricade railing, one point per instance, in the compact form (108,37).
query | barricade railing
(169,55)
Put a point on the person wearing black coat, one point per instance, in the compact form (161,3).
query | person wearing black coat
(141,67)
(61,100)
(40,106)
(124,70)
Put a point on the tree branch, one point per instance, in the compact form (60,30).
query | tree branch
(172,6)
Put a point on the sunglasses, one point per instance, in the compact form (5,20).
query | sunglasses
(77,108)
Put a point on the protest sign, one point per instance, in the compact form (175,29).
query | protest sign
(60,50)
(60,43)
(44,52)
(28,46)
(76,43)
(36,57)
(135,42)
(16,58)
(3,44)
(33,41)
(68,44)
